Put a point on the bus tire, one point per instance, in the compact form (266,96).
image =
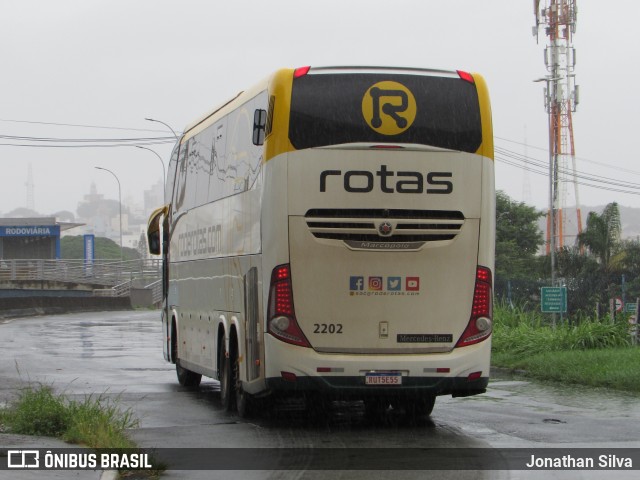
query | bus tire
(424,406)
(227,381)
(245,403)
(187,378)
(375,408)
(417,407)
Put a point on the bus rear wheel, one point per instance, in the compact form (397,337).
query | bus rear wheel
(227,380)
(187,378)
(246,404)
(416,407)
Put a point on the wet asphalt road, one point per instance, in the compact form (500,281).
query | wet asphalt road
(119,354)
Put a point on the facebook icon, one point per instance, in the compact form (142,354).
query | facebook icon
(356,283)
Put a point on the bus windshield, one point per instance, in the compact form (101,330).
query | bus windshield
(338,108)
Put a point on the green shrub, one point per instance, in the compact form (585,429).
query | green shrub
(95,422)
(520,333)
(38,412)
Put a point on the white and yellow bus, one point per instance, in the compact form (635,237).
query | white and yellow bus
(330,233)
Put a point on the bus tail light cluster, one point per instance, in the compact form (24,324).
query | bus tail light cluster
(281,314)
(481,321)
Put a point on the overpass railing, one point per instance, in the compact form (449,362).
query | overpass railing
(121,290)
(109,273)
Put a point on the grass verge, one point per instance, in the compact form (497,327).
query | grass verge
(588,352)
(615,368)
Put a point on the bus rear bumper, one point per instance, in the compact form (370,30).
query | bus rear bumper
(345,387)
(460,372)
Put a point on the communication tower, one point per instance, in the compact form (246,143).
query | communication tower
(557,19)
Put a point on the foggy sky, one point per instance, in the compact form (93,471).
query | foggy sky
(113,63)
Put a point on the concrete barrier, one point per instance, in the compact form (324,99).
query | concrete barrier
(141,297)
(12,307)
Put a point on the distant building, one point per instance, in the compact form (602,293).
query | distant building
(153,197)
(31,238)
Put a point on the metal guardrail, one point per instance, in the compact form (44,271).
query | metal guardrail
(118,276)
(122,290)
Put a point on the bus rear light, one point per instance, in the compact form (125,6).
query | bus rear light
(330,370)
(480,324)
(483,274)
(281,323)
(289,377)
(467,77)
(281,313)
(301,72)
(436,370)
(474,376)
(483,324)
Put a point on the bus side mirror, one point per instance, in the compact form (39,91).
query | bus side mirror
(153,231)
(154,243)
(259,124)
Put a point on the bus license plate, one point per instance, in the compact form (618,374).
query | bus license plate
(386,378)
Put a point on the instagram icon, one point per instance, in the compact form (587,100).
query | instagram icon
(375,284)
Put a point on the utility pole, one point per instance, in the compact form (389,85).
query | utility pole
(558,20)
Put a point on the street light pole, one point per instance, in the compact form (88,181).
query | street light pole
(166,125)
(164,175)
(120,204)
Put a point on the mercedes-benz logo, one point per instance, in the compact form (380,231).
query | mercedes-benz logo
(385,229)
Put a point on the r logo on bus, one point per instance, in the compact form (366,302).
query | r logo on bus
(389,108)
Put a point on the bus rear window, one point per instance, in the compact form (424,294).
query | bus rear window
(333,109)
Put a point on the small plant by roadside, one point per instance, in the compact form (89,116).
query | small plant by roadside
(36,412)
(96,421)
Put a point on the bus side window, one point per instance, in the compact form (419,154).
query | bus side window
(218,160)
(259,124)
(171,174)
(181,181)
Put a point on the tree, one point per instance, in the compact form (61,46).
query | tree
(518,237)
(143,247)
(602,235)
(72,248)
(627,262)
(581,274)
